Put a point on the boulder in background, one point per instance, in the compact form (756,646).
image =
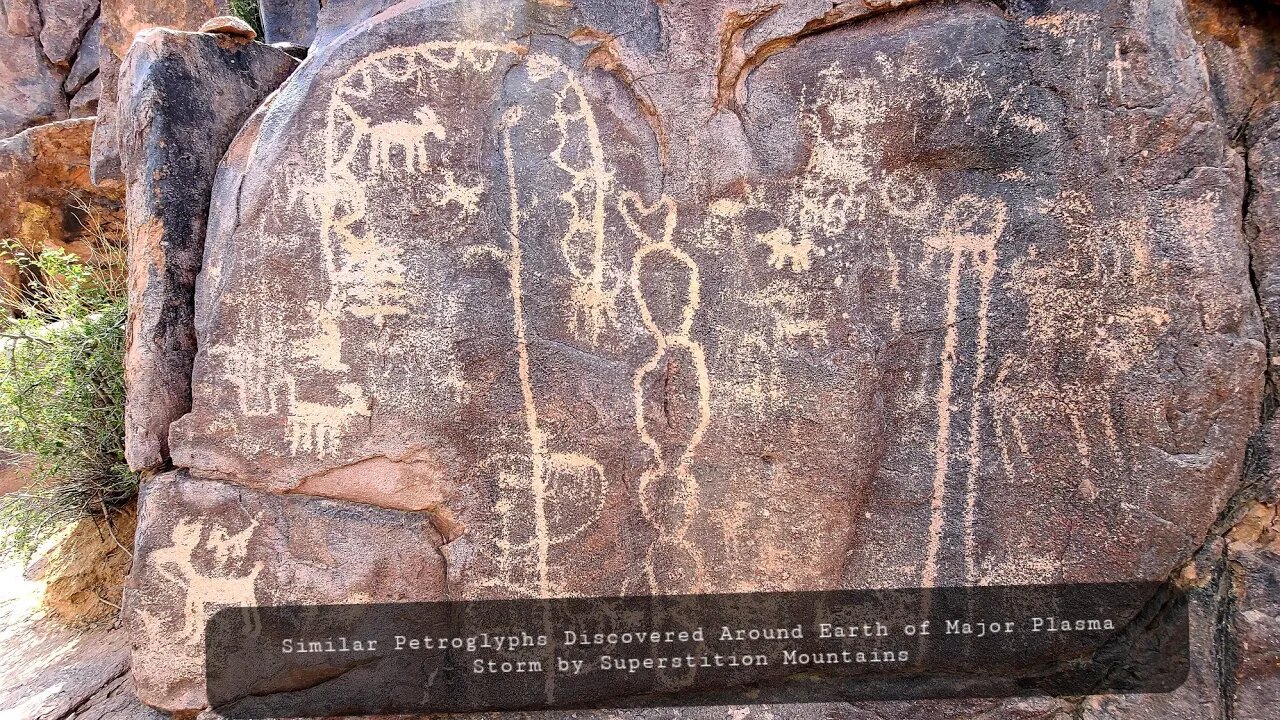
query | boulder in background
(121,20)
(291,21)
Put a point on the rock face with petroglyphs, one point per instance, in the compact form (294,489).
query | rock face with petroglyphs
(208,545)
(680,297)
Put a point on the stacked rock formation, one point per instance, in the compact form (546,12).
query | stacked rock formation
(53,192)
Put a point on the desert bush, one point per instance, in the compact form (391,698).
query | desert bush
(62,392)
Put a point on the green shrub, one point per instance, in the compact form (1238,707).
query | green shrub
(62,393)
(247,10)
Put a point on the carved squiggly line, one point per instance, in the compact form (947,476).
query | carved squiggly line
(630,204)
(594,306)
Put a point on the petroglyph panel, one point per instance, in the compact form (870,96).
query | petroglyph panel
(203,546)
(883,307)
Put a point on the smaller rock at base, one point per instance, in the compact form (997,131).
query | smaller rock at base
(229,25)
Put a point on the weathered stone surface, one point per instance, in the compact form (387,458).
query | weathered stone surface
(172,139)
(117,700)
(86,64)
(121,21)
(105,161)
(30,86)
(1241,43)
(337,16)
(41,68)
(939,296)
(63,25)
(85,103)
(1254,618)
(22,17)
(205,545)
(84,572)
(291,21)
(124,19)
(47,197)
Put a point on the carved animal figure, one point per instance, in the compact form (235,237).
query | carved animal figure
(315,427)
(785,248)
(408,135)
(225,546)
(176,564)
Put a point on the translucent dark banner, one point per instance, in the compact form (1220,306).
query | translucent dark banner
(795,647)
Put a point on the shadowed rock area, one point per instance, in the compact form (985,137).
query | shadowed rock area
(169,157)
(49,200)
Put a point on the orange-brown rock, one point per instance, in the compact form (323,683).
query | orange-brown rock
(47,197)
(14,472)
(229,25)
(121,20)
(84,573)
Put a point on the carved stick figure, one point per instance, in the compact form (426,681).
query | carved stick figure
(668,491)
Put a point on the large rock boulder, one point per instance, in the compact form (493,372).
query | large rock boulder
(30,86)
(63,27)
(120,21)
(507,281)
(172,138)
(1241,43)
(678,297)
(83,83)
